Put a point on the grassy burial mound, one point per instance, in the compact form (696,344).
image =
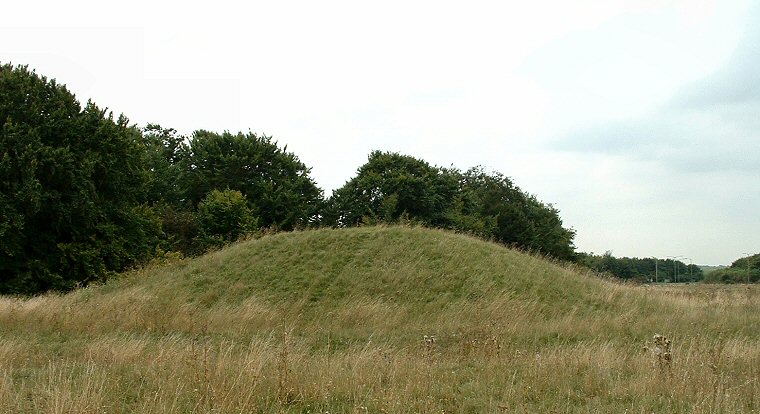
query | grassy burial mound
(378,319)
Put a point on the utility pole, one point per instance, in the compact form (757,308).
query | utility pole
(690,265)
(748,256)
(655,270)
(675,268)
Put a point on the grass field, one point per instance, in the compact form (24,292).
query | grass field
(379,320)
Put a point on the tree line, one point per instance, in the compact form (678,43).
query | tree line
(644,270)
(84,195)
(744,270)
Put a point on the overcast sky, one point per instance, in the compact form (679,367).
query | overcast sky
(638,120)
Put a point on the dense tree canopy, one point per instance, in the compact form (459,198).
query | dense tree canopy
(390,186)
(275,182)
(183,172)
(743,270)
(224,216)
(647,269)
(489,204)
(71,184)
(83,195)
(165,151)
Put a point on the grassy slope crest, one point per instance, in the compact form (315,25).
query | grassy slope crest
(415,267)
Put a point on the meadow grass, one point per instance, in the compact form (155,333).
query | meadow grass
(380,319)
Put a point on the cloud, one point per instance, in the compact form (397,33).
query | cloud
(617,137)
(704,140)
(679,176)
(737,83)
(710,125)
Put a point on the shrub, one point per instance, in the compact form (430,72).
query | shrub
(224,216)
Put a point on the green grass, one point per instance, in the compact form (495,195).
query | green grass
(336,320)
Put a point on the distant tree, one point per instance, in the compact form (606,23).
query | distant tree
(224,216)
(551,236)
(275,182)
(641,269)
(493,199)
(749,262)
(389,186)
(72,181)
(165,150)
(167,192)
(741,270)
(491,205)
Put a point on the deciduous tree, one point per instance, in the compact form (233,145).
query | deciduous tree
(72,180)
(275,182)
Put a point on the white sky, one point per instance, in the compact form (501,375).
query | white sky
(636,119)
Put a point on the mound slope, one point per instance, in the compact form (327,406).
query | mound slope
(351,283)
(384,319)
(401,265)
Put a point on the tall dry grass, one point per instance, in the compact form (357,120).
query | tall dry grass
(545,338)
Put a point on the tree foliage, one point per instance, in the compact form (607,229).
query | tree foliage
(391,186)
(224,216)
(749,262)
(275,182)
(84,195)
(165,151)
(189,175)
(646,269)
(71,184)
(743,270)
(491,205)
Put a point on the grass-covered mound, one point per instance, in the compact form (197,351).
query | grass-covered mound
(378,319)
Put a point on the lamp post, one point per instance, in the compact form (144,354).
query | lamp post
(747,257)
(690,264)
(675,269)
(655,270)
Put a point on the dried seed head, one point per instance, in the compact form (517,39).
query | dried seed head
(660,348)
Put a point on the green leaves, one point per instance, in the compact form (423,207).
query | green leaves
(275,183)
(391,186)
(164,151)
(224,216)
(490,205)
(71,181)
(83,195)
